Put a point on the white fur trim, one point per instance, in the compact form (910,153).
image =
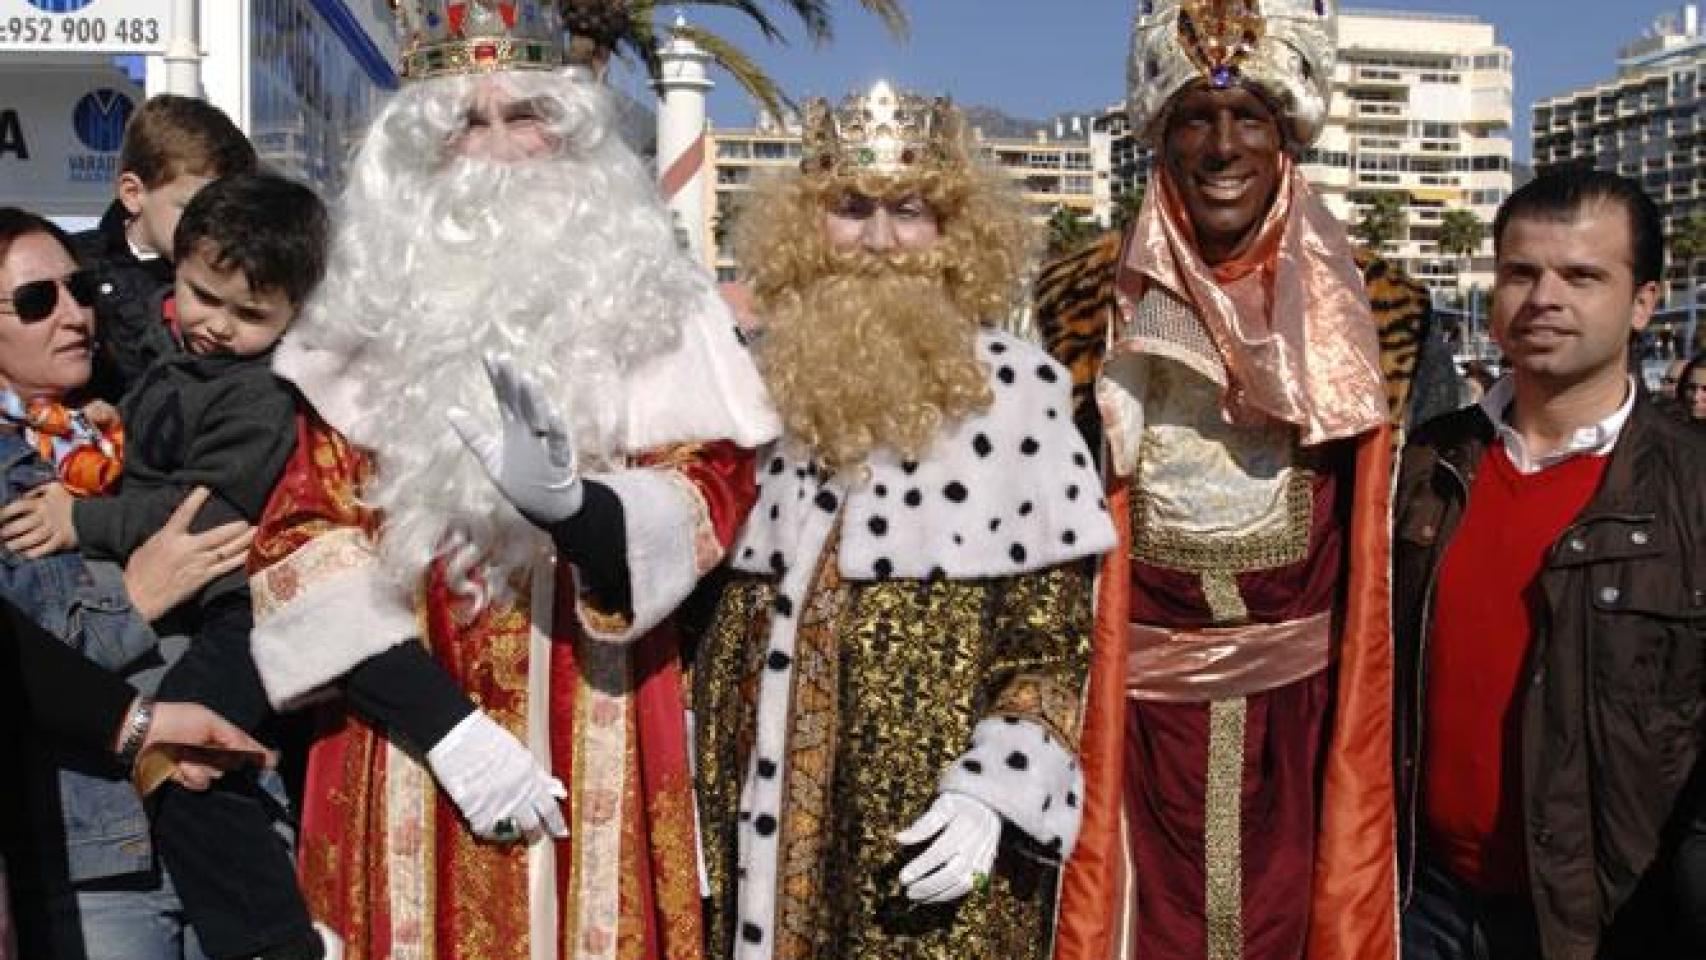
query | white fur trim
(708,389)
(320,375)
(662,516)
(759,831)
(1007,492)
(1024,773)
(327,629)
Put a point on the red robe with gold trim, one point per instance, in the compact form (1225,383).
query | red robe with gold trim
(387,862)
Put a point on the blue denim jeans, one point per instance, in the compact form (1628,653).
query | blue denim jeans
(1448,920)
(137,917)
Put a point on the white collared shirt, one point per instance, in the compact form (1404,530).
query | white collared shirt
(1595,439)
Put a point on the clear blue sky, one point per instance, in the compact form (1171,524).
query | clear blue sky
(1036,58)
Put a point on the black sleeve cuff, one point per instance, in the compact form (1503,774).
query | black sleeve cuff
(595,540)
(405,691)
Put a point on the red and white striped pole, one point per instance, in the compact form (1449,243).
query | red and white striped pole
(682,161)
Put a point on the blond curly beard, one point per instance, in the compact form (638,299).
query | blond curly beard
(873,353)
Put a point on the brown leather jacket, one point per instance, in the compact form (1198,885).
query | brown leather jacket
(1614,716)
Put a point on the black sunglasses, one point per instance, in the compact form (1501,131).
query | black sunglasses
(35,300)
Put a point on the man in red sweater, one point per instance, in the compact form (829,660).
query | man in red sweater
(1550,614)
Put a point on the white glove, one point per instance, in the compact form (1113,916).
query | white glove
(967,832)
(496,783)
(532,460)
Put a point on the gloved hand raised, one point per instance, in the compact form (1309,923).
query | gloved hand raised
(502,791)
(532,459)
(967,832)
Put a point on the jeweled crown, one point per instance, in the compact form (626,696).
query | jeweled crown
(883,132)
(451,37)
(1284,48)
(1220,36)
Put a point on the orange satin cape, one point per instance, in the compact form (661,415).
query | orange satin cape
(1354,909)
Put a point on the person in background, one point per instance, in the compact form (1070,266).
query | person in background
(1477,379)
(1691,391)
(1549,602)
(173,146)
(1668,380)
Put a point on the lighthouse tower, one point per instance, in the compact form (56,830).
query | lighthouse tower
(682,160)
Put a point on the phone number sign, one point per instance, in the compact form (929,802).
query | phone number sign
(84,26)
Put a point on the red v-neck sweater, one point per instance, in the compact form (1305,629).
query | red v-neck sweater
(1484,605)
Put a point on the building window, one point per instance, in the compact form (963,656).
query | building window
(769,150)
(734,149)
(311,98)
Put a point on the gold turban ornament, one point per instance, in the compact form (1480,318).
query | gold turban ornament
(1285,49)
(882,132)
(457,37)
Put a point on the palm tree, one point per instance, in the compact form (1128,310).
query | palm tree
(1384,220)
(1067,231)
(1126,206)
(1688,245)
(1460,233)
(600,29)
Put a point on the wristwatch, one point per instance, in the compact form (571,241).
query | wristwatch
(135,730)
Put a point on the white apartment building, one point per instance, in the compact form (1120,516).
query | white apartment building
(1648,123)
(1421,106)
(1062,166)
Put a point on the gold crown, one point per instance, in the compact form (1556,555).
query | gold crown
(449,37)
(882,132)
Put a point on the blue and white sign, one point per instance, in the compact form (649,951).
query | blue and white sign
(61,127)
(84,26)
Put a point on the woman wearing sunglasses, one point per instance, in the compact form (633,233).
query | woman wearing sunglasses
(99,892)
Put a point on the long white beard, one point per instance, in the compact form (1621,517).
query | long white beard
(565,267)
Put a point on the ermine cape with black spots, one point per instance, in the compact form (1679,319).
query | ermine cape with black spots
(916,627)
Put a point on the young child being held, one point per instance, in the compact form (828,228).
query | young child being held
(173,146)
(249,249)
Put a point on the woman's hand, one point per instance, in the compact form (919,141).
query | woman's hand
(39,522)
(193,746)
(173,564)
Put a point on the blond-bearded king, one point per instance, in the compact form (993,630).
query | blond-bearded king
(887,701)
(1238,734)
(529,434)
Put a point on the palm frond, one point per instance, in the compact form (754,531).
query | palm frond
(743,68)
(893,15)
(815,20)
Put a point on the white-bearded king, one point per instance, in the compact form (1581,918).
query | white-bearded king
(530,432)
(888,697)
